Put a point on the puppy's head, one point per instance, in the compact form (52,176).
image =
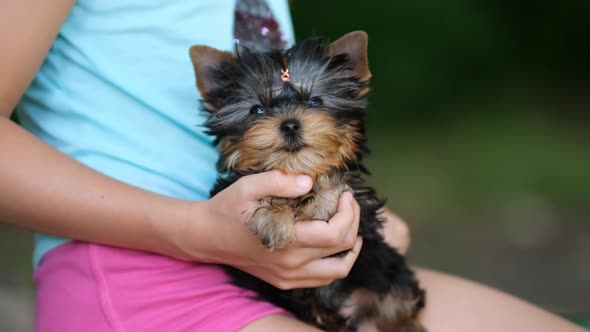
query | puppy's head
(297,111)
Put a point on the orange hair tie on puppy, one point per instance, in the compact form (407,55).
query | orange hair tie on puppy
(285,77)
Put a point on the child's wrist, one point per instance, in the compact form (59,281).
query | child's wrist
(167,224)
(182,230)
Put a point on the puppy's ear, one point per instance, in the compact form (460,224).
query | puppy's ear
(206,62)
(354,45)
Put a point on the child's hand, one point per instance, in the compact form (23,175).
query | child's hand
(299,265)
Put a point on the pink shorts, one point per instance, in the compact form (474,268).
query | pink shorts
(91,288)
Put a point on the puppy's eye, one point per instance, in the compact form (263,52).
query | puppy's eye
(257,110)
(315,102)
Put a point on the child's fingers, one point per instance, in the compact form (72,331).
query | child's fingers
(273,184)
(395,231)
(338,234)
(318,272)
(336,267)
(283,283)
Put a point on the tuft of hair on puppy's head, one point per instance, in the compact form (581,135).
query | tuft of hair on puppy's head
(300,111)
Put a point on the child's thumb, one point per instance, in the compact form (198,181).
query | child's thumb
(276,184)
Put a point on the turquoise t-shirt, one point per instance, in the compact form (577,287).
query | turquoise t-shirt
(117,93)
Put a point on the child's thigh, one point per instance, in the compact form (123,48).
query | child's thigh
(87,287)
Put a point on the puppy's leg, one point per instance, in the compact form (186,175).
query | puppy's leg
(393,311)
(274,224)
(386,294)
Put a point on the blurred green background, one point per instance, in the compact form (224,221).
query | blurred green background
(480,129)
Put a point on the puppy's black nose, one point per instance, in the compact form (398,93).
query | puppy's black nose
(290,126)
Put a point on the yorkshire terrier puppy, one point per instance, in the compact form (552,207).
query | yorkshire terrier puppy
(301,111)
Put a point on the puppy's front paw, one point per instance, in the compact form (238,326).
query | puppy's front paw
(274,225)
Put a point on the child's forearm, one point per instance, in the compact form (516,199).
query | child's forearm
(43,190)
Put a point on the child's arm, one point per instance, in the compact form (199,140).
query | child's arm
(44,190)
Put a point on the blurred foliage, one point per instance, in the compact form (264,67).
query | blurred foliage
(426,55)
(475,105)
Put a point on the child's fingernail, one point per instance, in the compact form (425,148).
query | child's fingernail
(303,181)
